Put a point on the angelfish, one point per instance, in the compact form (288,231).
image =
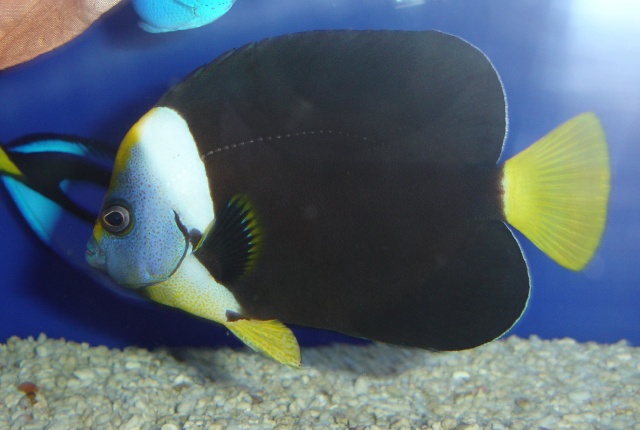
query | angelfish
(347,180)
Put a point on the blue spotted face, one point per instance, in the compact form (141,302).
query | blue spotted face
(158,194)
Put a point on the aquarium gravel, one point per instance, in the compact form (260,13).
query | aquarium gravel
(507,384)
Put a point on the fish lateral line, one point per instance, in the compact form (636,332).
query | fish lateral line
(282,137)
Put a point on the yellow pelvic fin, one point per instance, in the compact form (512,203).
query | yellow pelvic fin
(556,191)
(271,337)
(6,165)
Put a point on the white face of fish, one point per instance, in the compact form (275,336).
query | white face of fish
(159,192)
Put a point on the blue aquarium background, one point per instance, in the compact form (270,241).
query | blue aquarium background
(556,59)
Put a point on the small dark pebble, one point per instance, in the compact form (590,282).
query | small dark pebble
(181,386)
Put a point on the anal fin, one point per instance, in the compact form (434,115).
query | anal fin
(270,337)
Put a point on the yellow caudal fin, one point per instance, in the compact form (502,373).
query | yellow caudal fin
(6,165)
(270,337)
(556,191)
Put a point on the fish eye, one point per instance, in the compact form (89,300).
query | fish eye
(116,219)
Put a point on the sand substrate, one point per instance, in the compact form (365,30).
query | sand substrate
(508,384)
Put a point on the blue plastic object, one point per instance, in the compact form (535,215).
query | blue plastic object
(160,16)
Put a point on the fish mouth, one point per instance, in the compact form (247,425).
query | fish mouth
(95,257)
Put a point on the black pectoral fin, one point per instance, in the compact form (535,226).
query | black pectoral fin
(230,248)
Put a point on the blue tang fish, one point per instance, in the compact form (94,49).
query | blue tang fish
(51,179)
(347,180)
(160,16)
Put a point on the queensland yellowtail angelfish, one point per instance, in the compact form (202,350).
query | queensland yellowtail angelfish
(347,180)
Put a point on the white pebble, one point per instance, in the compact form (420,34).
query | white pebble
(461,374)
(132,423)
(473,426)
(294,408)
(580,396)
(42,351)
(186,406)
(495,425)
(102,418)
(132,365)
(573,418)
(448,423)
(58,424)
(361,385)
(85,374)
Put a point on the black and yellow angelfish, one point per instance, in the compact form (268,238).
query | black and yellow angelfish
(347,180)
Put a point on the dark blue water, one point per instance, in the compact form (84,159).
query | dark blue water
(556,59)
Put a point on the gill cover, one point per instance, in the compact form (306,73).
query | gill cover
(157,195)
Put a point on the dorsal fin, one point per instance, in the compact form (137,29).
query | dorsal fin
(443,100)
